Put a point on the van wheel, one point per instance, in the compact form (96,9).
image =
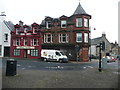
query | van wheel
(45,59)
(60,61)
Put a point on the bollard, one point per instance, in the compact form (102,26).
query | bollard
(11,66)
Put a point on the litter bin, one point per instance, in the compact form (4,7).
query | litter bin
(11,67)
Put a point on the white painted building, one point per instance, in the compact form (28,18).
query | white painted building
(96,41)
(5,36)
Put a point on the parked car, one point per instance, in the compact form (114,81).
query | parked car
(113,58)
(109,59)
(118,57)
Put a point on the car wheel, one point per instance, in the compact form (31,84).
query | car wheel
(45,59)
(60,61)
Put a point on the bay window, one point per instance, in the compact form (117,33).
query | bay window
(79,37)
(86,37)
(78,22)
(85,22)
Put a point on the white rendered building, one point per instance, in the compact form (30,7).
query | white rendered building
(5,36)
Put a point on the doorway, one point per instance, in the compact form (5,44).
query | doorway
(25,53)
(6,51)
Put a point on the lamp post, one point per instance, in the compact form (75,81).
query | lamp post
(91,40)
(77,50)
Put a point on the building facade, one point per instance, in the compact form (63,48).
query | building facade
(68,34)
(26,41)
(115,48)
(5,36)
(97,41)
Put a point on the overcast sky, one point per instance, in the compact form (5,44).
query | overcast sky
(104,13)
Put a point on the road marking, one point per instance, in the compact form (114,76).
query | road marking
(90,66)
(30,66)
(55,67)
(84,67)
(116,72)
(18,65)
(23,68)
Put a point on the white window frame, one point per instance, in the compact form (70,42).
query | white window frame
(34,42)
(46,38)
(35,29)
(77,37)
(17,29)
(47,25)
(63,23)
(17,42)
(85,22)
(25,30)
(25,42)
(6,37)
(61,38)
(86,37)
(78,22)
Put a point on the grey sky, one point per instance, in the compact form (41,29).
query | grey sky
(104,13)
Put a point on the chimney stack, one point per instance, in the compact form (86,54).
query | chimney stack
(20,23)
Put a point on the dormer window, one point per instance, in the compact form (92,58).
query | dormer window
(85,22)
(48,24)
(35,30)
(78,22)
(25,30)
(63,24)
(17,30)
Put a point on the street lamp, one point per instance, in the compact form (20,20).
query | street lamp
(77,50)
(91,40)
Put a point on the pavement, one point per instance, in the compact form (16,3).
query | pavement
(86,78)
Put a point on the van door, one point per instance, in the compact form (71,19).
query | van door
(57,56)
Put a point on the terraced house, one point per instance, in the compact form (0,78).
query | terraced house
(68,34)
(26,41)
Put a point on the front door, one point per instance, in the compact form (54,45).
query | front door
(6,51)
(25,53)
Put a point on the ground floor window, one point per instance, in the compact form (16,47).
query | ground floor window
(34,52)
(16,52)
(0,50)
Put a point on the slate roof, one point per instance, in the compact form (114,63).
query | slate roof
(95,41)
(9,24)
(79,10)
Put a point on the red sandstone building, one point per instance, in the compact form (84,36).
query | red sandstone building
(26,41)
(67,33)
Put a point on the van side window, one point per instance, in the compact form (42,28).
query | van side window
(57,53)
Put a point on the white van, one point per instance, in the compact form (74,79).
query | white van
(53,55)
